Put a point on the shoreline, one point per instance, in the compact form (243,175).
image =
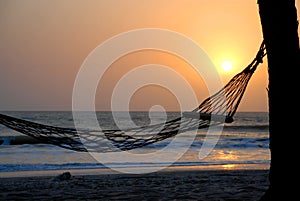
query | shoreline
(131,170)
(168,184)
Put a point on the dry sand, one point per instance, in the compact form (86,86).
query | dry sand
(241,185)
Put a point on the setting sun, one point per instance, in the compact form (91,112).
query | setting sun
(227,66)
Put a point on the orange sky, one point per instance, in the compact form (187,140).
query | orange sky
(44,43)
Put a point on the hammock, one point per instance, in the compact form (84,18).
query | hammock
(212,111)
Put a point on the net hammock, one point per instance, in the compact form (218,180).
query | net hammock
(212,111)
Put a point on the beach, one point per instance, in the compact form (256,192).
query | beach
(170,184)
(236,169)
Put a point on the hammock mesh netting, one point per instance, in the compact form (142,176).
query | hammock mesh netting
(217,109)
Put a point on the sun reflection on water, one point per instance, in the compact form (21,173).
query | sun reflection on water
(228,166)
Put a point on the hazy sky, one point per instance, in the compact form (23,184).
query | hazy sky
(44,43)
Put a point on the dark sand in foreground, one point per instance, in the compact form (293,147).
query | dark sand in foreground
(242,185)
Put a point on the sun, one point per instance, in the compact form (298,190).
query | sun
(227,66)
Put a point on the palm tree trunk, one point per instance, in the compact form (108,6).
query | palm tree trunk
(280,31)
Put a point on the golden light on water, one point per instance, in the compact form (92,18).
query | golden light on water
(227,156)
(228,166)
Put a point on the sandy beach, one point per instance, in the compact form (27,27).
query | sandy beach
(208,185)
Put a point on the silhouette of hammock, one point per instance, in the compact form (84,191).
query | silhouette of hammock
(217,109)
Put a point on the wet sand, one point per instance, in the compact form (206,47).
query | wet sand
(208,185)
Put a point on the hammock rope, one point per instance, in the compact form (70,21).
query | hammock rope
(212,111)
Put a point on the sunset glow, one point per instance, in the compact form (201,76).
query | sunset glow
(227,66)
(44,43)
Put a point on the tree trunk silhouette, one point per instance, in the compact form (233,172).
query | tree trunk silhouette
(280,31)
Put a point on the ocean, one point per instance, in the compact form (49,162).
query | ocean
(243,144)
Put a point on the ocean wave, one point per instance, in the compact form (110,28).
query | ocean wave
(243,143)
(73,166)
(233,142)
(246,127)
(37,167)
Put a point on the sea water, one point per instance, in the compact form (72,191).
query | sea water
(243,144)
